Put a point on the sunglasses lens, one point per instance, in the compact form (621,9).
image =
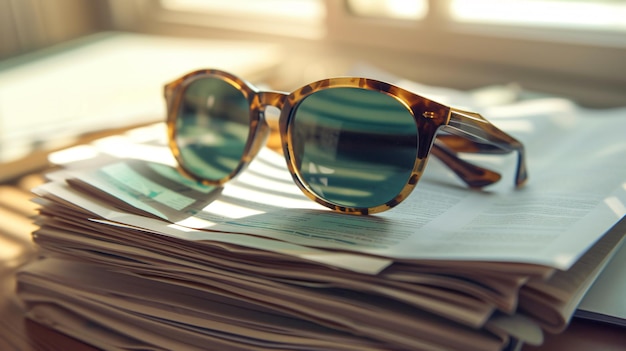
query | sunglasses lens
(212,128)
(354,147)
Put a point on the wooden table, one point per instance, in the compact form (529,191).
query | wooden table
(18,333)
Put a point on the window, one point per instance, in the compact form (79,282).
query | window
(597,15)
(575,14)
(398,9)
(469,43)
(289,18)
(575,48)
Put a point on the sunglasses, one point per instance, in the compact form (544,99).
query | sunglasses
(354,145)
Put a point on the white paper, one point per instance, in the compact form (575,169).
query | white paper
(354,262)
(576,192)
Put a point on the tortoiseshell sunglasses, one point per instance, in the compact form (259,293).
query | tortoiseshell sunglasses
(354,145)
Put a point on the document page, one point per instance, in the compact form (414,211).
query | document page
(605,300)
(576,192)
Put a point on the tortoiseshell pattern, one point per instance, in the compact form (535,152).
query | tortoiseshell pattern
(469,132)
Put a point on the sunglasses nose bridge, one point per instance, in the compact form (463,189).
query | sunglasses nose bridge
(268,101)
(272,98)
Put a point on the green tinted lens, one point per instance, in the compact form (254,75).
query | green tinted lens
(354,147)
(212,128)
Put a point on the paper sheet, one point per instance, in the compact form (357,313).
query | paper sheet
(576,192)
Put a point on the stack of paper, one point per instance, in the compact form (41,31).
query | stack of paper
(134,256)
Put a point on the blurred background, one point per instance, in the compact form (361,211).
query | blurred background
(72,67)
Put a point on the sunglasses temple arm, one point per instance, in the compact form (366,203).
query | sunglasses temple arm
(474,176)
(464,144)
(478,129)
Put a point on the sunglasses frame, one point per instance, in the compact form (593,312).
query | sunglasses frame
(465,132)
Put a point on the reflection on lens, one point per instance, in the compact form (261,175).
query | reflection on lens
(354,147)
(212,128)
